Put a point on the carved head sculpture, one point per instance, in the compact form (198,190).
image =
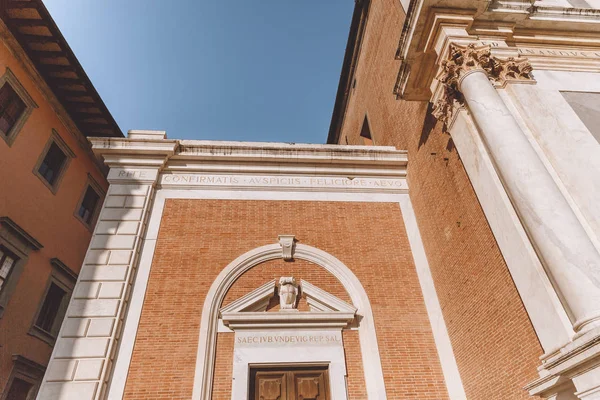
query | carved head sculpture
(288,292)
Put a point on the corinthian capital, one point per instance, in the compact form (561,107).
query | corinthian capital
(464,59)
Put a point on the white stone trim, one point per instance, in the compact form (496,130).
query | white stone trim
(122,361)
(209,322)
(432,304)
(256,300)
(123,358)
(248,312)
(330,354)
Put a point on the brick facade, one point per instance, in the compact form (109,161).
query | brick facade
(198,238)
(495,346)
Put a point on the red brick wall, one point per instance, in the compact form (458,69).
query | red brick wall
(223,366)
(198,238)
(494,343)
(354,366)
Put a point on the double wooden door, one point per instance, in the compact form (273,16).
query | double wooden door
(293,383)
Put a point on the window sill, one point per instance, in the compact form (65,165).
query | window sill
(41,334)
(89,227)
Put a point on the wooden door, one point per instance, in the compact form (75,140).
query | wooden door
(294,383)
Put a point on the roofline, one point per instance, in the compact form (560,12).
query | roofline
(66,51)
(357,30)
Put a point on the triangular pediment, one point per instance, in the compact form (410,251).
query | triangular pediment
(256,300)
(250,310)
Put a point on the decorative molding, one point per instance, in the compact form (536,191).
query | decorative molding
(209,320)
(62,267)
(288,245)
(463,60)
(320,300)
(20,233)
(256,300)
(287,320)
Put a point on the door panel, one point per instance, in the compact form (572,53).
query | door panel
(294,383)
(271,386)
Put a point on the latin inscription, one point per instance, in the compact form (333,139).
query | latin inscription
(289,339)
(559,53)
(132,174)
(259,181)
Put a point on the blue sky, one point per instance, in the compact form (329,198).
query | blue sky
(263,70)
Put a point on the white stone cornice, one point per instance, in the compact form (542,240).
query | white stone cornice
(281,320)
(290,153)
(571,36)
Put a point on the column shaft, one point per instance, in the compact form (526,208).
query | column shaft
(567,252)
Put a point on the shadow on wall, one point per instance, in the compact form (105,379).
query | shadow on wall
(428,127)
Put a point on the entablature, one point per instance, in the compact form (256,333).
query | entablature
(551,35)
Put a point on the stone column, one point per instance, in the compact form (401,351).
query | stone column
(82,359)
(566,251)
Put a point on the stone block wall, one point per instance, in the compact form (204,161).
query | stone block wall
(84,353)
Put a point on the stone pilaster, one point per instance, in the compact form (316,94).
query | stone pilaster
(81,362)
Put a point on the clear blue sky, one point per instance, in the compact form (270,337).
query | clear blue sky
(260,70)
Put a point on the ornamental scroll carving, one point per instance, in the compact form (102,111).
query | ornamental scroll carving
(463,59)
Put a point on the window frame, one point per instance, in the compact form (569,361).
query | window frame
(90,183)
(7,253)
(63,277)
(25,370)
(20,243)
(56,139)
(9,78)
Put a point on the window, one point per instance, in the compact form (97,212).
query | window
(7,262)
(19,390)
(15,106)
(55,300)
(24,380)
(11,108)
(365,132)
(46,319)
(88,205)
(53,162)
(15,246)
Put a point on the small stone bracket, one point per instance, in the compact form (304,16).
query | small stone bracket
(288,245)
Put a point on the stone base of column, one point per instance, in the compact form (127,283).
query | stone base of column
(572,372)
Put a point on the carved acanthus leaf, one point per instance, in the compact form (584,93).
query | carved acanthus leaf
(463,59)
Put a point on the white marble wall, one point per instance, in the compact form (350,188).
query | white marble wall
(563,140)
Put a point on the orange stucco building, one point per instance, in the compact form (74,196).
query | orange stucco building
(51,188)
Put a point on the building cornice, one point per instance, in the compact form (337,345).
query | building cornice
(32,27)
(549,39)
(185,164)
